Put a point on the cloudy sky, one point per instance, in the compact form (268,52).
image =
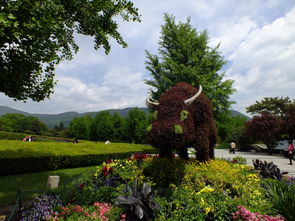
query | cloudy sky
(257,39)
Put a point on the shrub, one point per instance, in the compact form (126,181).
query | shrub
(268,170)
(281,194)
(239,160)
(11,136)
(138,202)
(163,171)
(244,214)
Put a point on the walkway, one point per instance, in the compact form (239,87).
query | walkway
(280,161)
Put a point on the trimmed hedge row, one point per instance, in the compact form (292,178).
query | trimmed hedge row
(11,135)
(9,166)
(19,136)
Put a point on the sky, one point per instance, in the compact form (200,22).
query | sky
(257,39)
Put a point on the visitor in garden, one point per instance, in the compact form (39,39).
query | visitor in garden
(290,151)
(75,140)
(232,147)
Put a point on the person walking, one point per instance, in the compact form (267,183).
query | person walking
(290,151)
(232,147)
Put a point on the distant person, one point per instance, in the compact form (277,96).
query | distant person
(232,147)
(25,138)
(29,138)
(290,151)
(75,140)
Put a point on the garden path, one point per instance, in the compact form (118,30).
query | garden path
(279,160)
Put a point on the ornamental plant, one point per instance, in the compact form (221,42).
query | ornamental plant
(98,211)
(41,209)
(244,214)
(139,202)
(184,190)
(281,193)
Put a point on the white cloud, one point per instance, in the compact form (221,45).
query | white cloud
(233,34)
(263,64)
(257,38)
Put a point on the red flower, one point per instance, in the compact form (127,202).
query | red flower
(105,171)
(110,170)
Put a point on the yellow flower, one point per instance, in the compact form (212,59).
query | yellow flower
(208,210)
(202,202)
(206,190)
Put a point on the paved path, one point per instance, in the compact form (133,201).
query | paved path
(280,161)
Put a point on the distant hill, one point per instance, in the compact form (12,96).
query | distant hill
(54,119)
(5,110)
(237,113)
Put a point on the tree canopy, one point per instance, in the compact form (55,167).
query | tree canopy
(36,35)
(266,128)
(21,124)
(185,56)
(273,105)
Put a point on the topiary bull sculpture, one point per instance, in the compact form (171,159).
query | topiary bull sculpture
(183,118)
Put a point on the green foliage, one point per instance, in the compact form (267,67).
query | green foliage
(20,157)
(205,191)
(162,177)
(21,124)
(80,127)
(136,126)
(155,115)
(231,128)
(281,194)
(149,128)
(240,160)
(36,36)
(101,127)
(11,136)
(138,201)
(184,56)
(273,105)
(35,181)
(178,129)
(183,115)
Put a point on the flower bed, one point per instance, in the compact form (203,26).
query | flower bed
(145,187)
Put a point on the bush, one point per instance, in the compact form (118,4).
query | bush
(11,136)
(168,171)
(185,190)
(10,166)
(281,194)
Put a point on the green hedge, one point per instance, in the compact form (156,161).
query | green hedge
(19,136)
(11,136)
(10,166)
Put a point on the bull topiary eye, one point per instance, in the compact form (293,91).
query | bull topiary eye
(178,129)
(155,115)
(183,115)
(149,128)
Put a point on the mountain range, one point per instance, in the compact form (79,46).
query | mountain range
(54,119)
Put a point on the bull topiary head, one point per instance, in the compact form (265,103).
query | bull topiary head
(173,125)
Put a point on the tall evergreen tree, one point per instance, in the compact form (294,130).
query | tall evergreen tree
(184,55)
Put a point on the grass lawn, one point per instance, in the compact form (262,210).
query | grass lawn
(18,149)
(34,182)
